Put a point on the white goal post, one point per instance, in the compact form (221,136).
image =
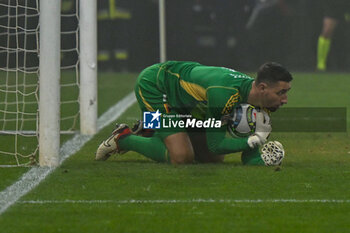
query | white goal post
(49,82)
(88,67)
(49,107)
(162,30)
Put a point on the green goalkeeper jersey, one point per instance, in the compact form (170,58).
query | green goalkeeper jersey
(204,92)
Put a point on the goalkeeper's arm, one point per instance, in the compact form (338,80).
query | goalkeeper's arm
(218,143)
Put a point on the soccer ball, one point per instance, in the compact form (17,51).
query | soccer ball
(242,120)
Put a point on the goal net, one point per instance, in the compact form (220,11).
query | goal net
(19,78)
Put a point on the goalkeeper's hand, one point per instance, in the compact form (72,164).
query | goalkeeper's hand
(272,153)
(262,131)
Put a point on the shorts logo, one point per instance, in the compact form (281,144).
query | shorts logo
(151,120)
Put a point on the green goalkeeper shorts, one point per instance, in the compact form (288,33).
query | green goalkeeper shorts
(151,99)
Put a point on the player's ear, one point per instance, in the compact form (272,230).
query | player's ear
(262,86)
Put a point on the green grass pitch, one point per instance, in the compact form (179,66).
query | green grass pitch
(87,196)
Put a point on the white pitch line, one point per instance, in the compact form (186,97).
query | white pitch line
(35,175)
(227,201)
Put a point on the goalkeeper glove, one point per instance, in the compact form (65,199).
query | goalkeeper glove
(272,153)
(262,131)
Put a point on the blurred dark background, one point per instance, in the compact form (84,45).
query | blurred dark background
(239,33)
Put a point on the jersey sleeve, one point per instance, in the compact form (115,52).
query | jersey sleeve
(221,101)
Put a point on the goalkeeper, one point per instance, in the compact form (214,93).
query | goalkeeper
(204,92)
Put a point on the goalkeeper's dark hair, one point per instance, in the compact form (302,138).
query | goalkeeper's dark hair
(272,72)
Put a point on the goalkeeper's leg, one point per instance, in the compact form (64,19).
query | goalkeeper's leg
(165,145)
(151,147)
(176,146)
(198,141)
(202,153)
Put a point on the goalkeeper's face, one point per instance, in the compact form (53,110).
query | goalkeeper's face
(274,95)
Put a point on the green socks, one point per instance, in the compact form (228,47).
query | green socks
(152,147)
(322,52)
